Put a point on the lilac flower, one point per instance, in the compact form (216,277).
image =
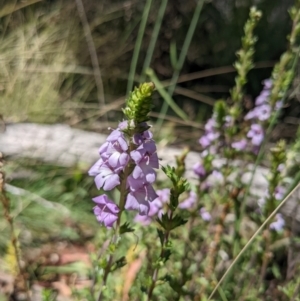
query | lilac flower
(279,193)
(106,211)
(240,145)
(204,141)
(263,112)
(155,207)
(262,98)
(208,138)
(278,224)
(199,170)
(268,83)
(205,214)
(211,133)
(189,202)
(140,138)
(261,202)
(113,151)
(217,176)
(146,159)
(210,125)
(278,105)
(265,94)
(251,115)
(228,121)
(145,220)
(104,175)
(94,170)
(113,159)
(163,195)
(256,134)
(205,186)
(141,193)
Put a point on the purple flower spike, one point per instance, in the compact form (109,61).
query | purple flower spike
(240,145)
(205,214)
(256,134)
(106,211)
(199,170)
(278,224)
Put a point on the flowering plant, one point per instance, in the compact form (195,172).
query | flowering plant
(216,201)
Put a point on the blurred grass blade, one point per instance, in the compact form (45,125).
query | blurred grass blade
(182,57)
(12,7)
(137,46)
(154,36)
(173,55)
(164,94)
(234,262)
(93,53)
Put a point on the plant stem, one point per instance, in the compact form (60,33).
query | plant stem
(137,46)
(161,257)
(14,239)
(181,59)
(156,29)
(123,194)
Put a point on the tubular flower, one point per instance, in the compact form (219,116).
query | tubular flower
(155,208)
(106,211)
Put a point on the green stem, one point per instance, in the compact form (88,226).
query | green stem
(164,94)
(156,271)
(154,36)
(138,46)
(123,195)
(181,59)
(251,240)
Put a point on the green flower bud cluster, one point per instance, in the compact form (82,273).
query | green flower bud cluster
(284,71)
(139,103)
(275,177)
(245,55)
